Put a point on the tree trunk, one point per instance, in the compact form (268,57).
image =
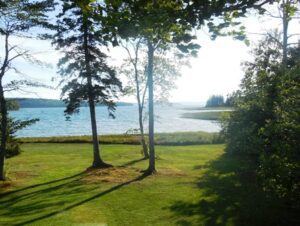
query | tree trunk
(143,141)
(140,110)
(151,169)
(97,161)
(3,111)
(285,23)
(3,132)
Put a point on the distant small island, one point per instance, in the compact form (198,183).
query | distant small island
(49,103)
(214,110)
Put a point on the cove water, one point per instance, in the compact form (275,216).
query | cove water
(53,122)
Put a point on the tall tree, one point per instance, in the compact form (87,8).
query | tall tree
(156,23)
(166,71)
(163,22)
(83,67)
(17,18)
(138,86)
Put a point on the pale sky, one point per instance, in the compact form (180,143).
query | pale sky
(216,70)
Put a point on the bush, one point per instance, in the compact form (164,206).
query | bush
(266,120)
(13,145)
(12,148)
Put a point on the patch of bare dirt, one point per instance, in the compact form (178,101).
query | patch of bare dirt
(22,174)
(124,174)
(5,184)
(111,175)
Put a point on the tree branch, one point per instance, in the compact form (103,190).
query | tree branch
(5,61)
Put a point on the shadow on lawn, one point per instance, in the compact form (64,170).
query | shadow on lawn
(38,185)
(45,200)
(133,162)
(231,196)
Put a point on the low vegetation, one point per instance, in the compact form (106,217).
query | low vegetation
(207,115)
(209,108)
(179,138)
(194,185)
(12,105)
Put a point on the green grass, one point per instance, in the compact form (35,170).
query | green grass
(210,115)
(195,185)
(179,138)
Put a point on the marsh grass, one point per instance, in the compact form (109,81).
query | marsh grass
(179,138)
(207,115)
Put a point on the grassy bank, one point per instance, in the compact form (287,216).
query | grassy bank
(210,115)
(195,185)
(179,138)
(209,108)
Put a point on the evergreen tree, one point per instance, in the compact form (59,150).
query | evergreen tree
(215,101)
(84,69)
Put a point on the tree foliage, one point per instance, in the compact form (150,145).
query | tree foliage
(73,66)
(163,23)
(215,101)
(265,123)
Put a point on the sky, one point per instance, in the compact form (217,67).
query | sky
(216,70)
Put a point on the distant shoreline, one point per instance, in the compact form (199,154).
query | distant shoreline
(51,103)
(207,113)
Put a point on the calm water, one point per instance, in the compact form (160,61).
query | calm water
(53,123)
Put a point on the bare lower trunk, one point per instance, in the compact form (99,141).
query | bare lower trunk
(3,132)
(97,161)
(2,173)
(151,169)
(285,23)
(140,101)
(143,141)
(3,111)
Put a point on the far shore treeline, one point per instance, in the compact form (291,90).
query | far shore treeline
(47,103)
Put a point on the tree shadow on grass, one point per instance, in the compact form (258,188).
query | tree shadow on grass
(134,162)
(38,202)
(231,195)
(41,184)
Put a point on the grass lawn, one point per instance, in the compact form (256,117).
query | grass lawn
(195,185)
